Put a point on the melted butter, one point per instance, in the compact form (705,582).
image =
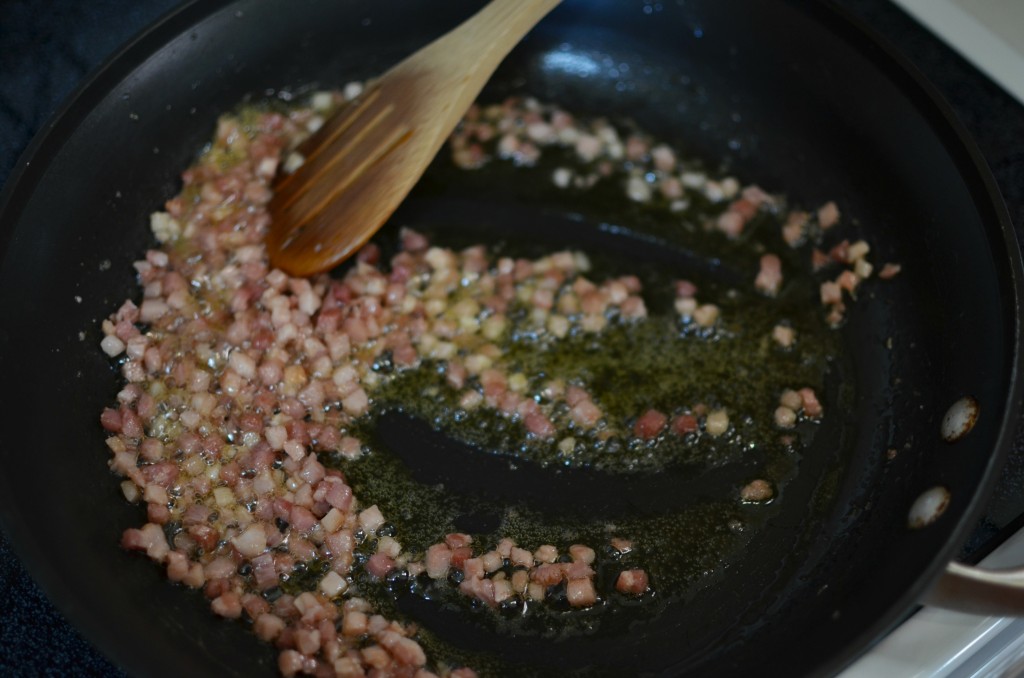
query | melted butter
(658,363)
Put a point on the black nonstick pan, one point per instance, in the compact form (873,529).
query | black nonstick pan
(793,95)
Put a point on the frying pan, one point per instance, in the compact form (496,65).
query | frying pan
(793,95)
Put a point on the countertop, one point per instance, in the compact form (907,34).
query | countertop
(49,46)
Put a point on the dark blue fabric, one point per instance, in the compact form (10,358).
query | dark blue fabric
(48,46)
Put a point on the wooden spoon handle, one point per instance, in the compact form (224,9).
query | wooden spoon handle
(463,60)
(485,38)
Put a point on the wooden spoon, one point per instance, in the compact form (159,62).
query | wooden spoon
(363,162)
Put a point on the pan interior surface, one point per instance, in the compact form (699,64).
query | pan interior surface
(790,97)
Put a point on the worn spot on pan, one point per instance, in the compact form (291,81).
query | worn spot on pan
(960,419)
(927,508)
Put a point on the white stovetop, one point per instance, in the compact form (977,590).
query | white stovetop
(989,33)
(937,643)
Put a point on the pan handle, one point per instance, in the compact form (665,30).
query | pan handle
(975,590)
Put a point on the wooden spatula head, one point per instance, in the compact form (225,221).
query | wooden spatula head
(363,162)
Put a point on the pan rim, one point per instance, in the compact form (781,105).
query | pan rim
(958,142)
(13,197)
